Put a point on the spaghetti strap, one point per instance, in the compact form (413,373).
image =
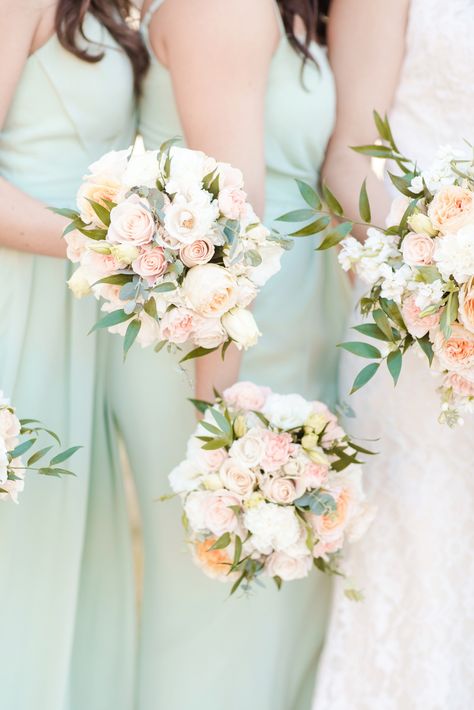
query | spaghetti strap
(279,18)
(150,12)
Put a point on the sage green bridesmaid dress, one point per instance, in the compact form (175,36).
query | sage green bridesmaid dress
(198,649)
(65,113)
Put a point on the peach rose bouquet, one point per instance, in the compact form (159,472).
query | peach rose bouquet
(271,487)
(169,243)
(419,268)
(19,437)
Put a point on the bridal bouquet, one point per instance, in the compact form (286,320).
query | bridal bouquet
(420,269)
(170,244)
(271,487)
(17,437)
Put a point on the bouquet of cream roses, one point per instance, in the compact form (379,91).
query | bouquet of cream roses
(17,437)
(420,270)
(271,486)
(170,244)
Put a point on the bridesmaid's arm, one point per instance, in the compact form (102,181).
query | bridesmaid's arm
(218,53)
(366,41)
(25,223)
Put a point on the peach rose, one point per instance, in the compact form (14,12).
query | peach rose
(459,384)
(330,527)
(246,395)
(417,326)
(177,325)
(466,305)
(214,563)
(150,264)
(97,188)
(131,222)
(455,353)
(452,208)
(232,202)
(418,249)
(279,490)
(277,450)
(199,252)
(237,479)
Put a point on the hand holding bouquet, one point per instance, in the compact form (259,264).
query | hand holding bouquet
(170,244)
(271,487)
(17,437)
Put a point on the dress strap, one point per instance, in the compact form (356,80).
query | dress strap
(150,12)
(279,19)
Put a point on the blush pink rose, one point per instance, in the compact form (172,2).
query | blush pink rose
(177,325)
(76,245)
(459,384)
(218,514)
(451,209)
(99,265)
(277,450)
(232,202)
(417,326)
(418,249)
(246,395)
(150,264)
(287,567)
(236,478)
(199,252)
(214,459)
(279,490)
(131,222)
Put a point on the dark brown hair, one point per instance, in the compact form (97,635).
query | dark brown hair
(114,16)
(313,13)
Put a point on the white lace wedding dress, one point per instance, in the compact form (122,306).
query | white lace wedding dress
(410,644)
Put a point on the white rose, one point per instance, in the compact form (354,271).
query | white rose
(246,292)
(249,451)
(187,170)
(9,427)
(187,220)
(131,222)
(241,327)
(194,507)
(236,478)
(229,177)
(77,244)
(210,290)
(279,490)
(142,169)
(271,263)
(207,460)
(149,332)
(219,516)
(286,411)
(273,527)
(208,332)
(185,477)
(288,568)
(79,283)
(113,164)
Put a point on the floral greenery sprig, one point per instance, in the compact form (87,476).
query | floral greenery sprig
(19,437)
(419,267)
(271,487)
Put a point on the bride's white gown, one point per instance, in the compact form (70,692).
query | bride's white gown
(410,644)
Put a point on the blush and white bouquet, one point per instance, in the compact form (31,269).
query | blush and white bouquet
(17,437)
(419,267)
(168,241)
(271,486)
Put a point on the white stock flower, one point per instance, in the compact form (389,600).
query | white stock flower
(142,169)
(286,411)
(273,527)
(395,282)
(427,294)
(185,477)
(454,254)
(112,164)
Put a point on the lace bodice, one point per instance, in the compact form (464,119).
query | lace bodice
(435,98)
(409,645)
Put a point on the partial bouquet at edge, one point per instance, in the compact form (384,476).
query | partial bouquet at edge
(271,486)
(19,436)
(170,244)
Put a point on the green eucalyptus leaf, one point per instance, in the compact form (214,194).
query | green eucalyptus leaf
(131,335)
(297,216)
(364,376)
(313,228)
(111,319)
(38,455)
(22,448)
(309,195)
(64,455)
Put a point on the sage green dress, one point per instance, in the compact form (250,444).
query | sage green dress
(200,650)
(65,113)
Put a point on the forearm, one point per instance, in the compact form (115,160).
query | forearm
(212,373)
(27,225)
(344,171)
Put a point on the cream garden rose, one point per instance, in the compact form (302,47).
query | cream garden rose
(131,222)
(451,209)
(288,567)
(418,249)
(455,353)
(210,290)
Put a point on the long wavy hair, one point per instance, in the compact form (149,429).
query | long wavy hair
(114,15)
(314,14)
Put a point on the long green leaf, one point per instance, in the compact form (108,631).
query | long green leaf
(131,335)
(64,455)
(22,448)
(364,205)
(111,319)
(381,319)
(309,195)
(371,330)
(197,352)
(313,228)
(102,212)
(364,376)
(394,364)
(222,542)
(296,216)
(332,202)
(361,349)
(38,455)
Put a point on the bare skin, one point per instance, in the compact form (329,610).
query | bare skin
(219,59)
(25,223)
(366,48)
